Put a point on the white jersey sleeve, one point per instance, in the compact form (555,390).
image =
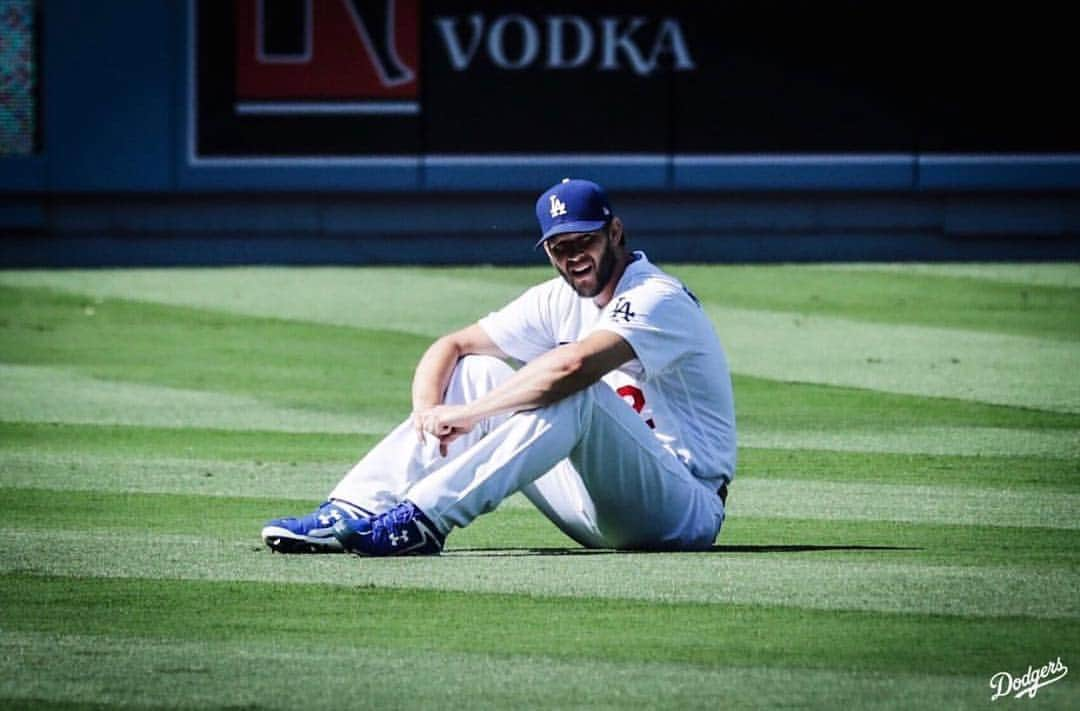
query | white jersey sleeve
(524,328)
(659,319)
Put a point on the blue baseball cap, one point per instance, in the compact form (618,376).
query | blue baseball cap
(572,206)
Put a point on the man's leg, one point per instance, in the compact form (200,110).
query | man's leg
(633,493)
(380,480)
(561,496)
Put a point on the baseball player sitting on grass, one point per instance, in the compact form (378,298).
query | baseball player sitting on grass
(619,426)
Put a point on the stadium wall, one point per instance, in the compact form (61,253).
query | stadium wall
(154,145)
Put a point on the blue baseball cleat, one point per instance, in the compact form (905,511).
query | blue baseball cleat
(312,533)
(403,530)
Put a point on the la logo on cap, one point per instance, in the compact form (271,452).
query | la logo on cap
(558,207)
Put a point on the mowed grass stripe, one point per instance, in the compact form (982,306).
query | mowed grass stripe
(77,474)
(141,441)
(517,528)
(118,457)
(620,631)
(110,404)
(814,416)
(1058,473)
(55,394)
(36,672)
(897,295)
(832,347)
(1011,504)
(774,414)
(287,363)
(753,494)
(787,498)
(1005,369)
(1005,507)
(969,441)
(864,580)
(1018,504)
(1064,275)
(784,405)
(1036,299)
(205,352)
(438,300)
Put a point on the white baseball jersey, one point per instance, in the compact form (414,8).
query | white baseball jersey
(679,381)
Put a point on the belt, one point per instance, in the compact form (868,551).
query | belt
(722,493)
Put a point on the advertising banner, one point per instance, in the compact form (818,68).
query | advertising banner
(384,78)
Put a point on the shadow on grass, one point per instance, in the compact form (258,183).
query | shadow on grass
(480,552)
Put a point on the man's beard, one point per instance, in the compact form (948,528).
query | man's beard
(605,267)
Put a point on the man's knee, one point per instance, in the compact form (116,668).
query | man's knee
(474,376)
(481,367)
(575,408)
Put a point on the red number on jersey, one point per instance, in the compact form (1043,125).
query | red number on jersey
(635,399)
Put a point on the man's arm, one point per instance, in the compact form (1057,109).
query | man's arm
(433,372)
(553,376)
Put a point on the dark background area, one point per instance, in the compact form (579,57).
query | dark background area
(771,77)
(807,131)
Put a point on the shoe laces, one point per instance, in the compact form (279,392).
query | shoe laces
(330,510)
(391,525)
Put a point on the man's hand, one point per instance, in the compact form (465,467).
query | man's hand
(445,422)
(432,377)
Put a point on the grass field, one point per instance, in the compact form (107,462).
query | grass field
(905,522)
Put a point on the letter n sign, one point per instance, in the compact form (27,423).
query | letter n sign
(327,56)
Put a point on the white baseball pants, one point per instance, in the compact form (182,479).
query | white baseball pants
(588,462)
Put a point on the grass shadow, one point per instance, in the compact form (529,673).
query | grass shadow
(753,549)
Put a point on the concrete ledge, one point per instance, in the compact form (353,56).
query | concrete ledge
(1004,172)
(515,249)
(825,172)
(499,228)
(534,173)
(327,175)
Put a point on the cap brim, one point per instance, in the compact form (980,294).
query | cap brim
(565,227)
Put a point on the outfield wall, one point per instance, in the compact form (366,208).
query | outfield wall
(725,131)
